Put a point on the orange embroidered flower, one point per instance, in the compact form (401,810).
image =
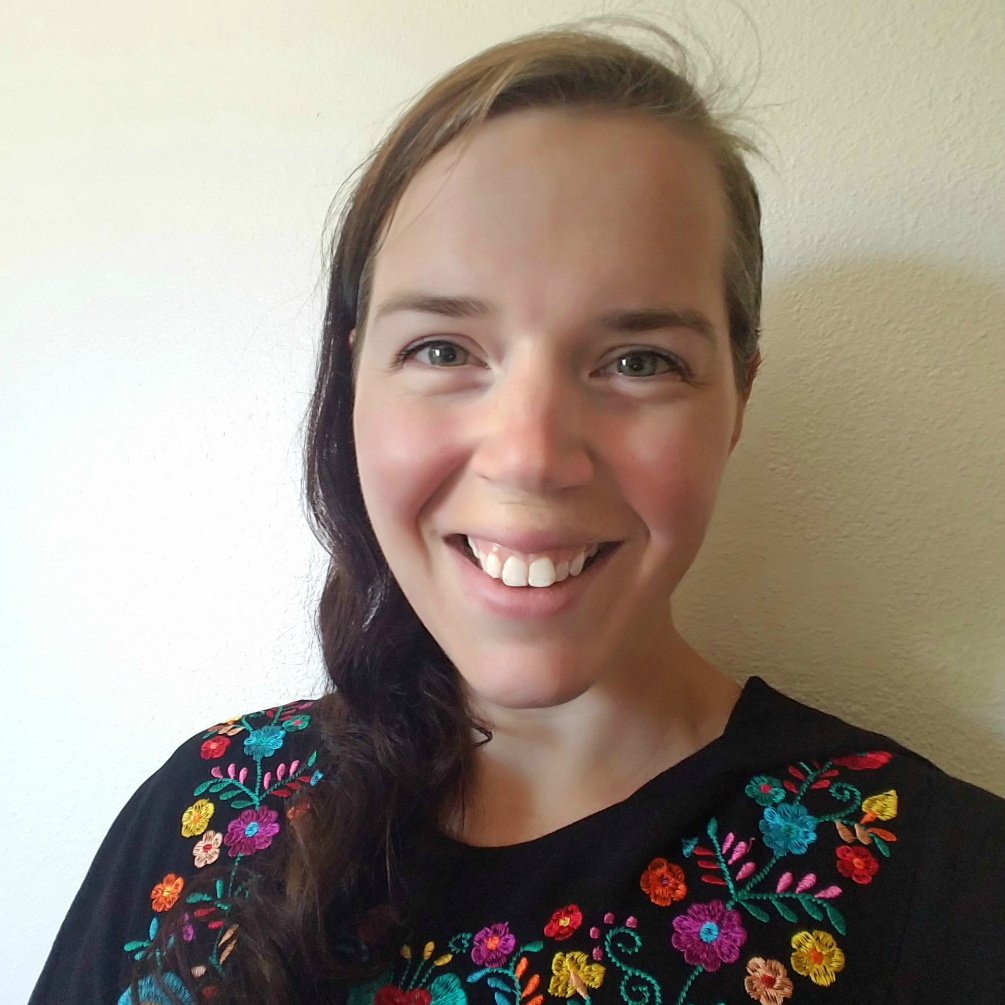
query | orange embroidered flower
(563,923)
(196,818)
(817,956)
(166,892)
(664,882)
(767,981)
(856,863)
(207,849)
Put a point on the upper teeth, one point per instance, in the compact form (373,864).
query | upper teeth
(529,570)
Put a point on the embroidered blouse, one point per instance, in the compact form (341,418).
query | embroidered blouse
(794,857)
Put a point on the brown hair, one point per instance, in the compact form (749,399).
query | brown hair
(398,732)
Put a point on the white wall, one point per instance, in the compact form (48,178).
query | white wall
(165,169)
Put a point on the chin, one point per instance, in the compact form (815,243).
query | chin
(531,682)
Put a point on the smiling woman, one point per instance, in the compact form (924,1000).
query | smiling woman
(540,340)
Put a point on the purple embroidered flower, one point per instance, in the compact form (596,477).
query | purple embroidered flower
(493,945)
(709,935)
(252,831)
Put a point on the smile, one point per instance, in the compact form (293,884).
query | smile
(539,569)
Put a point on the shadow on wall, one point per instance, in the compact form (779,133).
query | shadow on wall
(857,556)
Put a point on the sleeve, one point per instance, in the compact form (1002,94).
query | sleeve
(953,949)
(88,964)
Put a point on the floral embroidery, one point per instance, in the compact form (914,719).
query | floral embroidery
(788,828)
(265,741)
(817,956)
(207,849)
(196,818)
(166,892)
(664,882)
(765,790)
(151,994)
(214,747)
(767,981)
(709,935)
(563,923)
(856,863)
(882,806)
(493,945)
(573,973)
(252,831)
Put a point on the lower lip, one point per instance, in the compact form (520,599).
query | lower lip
(526,602)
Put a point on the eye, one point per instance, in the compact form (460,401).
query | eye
(645,363)
(436,353)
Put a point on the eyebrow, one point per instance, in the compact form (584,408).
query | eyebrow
(647,319)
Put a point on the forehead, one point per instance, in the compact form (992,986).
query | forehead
(546,208)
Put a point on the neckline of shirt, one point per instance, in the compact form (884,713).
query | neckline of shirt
(751,705)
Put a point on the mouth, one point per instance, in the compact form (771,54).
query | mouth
(537,570)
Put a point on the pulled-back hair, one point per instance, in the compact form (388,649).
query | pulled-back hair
(397,730)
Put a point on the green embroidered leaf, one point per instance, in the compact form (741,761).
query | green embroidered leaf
(756,911)
(219,888)
(787,913)
(218,786)
(495,981)
(154,925)
(312,759)
(501,999)
(201,788)
(448,990)
(477,975)
(836,918)
(194,898)
(881,845)
(131,946)
(230,794)
(811,907)
(240,804)
(533,947)
(713,827)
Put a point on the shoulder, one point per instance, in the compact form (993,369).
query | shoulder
(222,798)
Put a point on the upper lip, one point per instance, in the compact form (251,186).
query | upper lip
(532,542)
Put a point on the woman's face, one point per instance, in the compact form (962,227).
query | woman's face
(546,369)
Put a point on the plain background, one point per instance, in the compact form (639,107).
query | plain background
(165,171)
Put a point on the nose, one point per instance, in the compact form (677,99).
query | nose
(533,438)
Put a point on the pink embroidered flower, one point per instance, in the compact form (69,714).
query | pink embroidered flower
(252,831)
(492,945)
(564,922)
(856,863)
(709,935)
(214,747)
(207,849)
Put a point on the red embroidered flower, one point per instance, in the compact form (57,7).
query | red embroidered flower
(857,863)
(857,762)
(390,994)
(664,882)
(214,747)
(564,922)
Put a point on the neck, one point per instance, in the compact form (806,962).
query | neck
(545,768)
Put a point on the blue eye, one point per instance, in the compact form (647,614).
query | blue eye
(439,354)
(645,363)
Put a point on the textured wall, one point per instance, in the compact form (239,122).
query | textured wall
(165,169)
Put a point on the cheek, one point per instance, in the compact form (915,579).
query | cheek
(669,469)
(404,455)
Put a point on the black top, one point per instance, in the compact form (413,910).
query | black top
(795,856)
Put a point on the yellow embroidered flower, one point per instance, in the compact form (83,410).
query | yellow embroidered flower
(574,974)
(882,806)
(817,956)
(196,818)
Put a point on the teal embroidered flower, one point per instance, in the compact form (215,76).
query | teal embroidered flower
(788,828)
(765,790)
(265,741)
(152,994)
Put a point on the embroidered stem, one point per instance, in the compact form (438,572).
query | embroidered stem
(637,987)
(687,984)
(725,868)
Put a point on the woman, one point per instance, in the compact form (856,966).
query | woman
(540,339)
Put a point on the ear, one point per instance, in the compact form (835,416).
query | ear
(741,406)
(351,338)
